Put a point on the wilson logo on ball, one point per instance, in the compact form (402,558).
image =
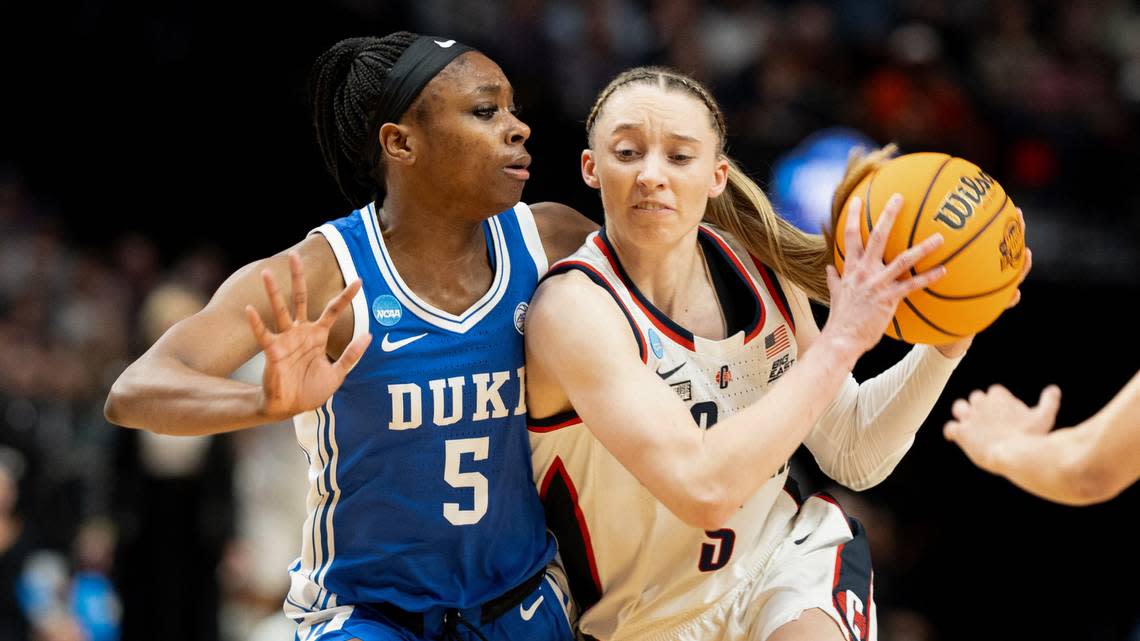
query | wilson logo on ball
(959,204)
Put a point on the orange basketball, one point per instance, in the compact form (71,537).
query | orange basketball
(983,252)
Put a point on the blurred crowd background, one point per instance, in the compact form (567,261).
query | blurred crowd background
(148,151)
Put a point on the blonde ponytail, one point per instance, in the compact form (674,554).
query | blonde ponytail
(744,211)
(859,164)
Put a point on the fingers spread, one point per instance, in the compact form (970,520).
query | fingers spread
(338,304)
(276,301)
(352,354)
(911,257)
(260,332)
(922,281)
(960,409)
(877,241)
(300,288)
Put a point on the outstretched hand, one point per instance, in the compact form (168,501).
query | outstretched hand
(864,299)
(990,421)
(298,375)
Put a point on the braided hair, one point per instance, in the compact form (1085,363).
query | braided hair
(344,90)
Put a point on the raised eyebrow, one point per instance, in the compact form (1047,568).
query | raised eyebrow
(633,126)
(495,88)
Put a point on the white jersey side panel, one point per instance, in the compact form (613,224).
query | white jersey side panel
(646,566)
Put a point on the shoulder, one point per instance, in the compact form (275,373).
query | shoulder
(568,298)
(571,318)
(561,228)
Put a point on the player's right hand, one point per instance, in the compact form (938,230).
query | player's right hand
(298,375)
(864,298)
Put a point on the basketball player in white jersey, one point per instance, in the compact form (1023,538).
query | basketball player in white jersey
(673,369)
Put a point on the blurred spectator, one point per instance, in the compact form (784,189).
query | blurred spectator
(13,546)
(174,508)
(270,483)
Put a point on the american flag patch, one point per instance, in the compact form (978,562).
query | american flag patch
(777,341)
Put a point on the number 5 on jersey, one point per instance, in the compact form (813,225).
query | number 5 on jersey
(455,449)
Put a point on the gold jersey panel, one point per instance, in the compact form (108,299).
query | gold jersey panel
(633,565)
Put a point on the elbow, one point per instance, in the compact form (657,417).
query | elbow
(113,407)
(859,478)
(859,484)
(1090,482)
(708,509)
(117,407)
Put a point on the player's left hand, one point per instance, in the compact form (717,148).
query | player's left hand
(990,421)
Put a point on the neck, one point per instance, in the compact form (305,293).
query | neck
(428,231)
(671,275)
(441,255)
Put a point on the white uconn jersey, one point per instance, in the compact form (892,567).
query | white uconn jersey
(632,564)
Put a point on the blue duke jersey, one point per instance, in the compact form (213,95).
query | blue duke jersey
(420,487)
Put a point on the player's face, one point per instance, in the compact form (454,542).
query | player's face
(471,145)
(656,160)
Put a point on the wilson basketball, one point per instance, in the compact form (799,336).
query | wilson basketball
(983,250)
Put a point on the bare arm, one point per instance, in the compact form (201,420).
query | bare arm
(562,229)
(703,476)
(1080,465)
(179,385)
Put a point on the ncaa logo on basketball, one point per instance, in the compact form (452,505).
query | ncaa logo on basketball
(1012,244)
(520,316)
(655,343)
(386,310)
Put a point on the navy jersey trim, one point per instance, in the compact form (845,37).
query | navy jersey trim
(666,325)
(565,519)
(554,422)
(726,252)
(600,280)
(853,573)
(776,290)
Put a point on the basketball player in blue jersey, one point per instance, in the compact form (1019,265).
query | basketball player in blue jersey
(407,391)
(675,366)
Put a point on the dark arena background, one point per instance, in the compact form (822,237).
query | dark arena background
(149,150)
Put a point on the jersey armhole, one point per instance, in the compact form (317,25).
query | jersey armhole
(333,236)
(532,238)
(564,266)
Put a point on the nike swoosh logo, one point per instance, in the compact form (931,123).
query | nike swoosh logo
(803,539)
(445,44)
(391,346)
(528,613)
(665,375)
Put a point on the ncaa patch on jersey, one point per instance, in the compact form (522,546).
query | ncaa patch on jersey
(520,316)
(655,343)
(386,309)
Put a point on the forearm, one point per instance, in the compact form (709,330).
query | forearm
(163,395)
(1078,465)
(746,449)
(869,428)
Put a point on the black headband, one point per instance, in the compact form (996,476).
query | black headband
(419,63)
